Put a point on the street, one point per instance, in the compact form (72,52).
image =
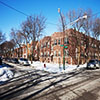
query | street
(41,85)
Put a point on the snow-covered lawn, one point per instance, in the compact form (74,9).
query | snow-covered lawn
(5,73)
(50,67)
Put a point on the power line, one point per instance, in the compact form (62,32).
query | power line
(20,11)
(28,15)
(13,8)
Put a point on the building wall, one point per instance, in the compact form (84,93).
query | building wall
(80,48)
(45,49)
(75,53)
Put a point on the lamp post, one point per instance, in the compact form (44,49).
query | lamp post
(64,27)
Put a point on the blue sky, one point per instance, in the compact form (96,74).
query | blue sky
(12,19)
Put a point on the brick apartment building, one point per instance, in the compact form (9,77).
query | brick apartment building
(26,52)
(78,46)
(33,50)
(45,49)
(19,52)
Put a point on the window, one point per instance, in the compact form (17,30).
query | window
(59,53)
(55,53)
(48,44)
(82,54)
(66,53)
(44,44)
(76,53)
(55,42)
(51,47)
(45,54)
(96,54)
(92,44)
(48,53)
(66,41)
(89,44)
(59,41)
(82,42)
(41,45)
(41,54)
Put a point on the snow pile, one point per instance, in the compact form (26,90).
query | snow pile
(50,67)
(5,74)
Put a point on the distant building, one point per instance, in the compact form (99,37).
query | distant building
(45,49)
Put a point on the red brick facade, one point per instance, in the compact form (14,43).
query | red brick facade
(45,49)
(50,48)
(75,52)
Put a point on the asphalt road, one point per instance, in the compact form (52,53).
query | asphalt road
(39,85)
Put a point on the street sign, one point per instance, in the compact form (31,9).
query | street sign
(65,46)
(61,45)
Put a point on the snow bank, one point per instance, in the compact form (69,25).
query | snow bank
(5,74)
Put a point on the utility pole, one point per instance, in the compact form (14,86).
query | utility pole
(64,26)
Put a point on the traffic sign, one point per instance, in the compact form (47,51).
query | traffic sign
(61,45)
(65,46)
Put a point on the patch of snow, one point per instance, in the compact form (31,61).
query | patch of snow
(5,74)
(50,67)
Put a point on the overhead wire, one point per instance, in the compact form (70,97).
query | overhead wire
(28,15)
(20,11)
(13,8)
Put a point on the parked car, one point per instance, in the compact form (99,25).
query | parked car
(93,64)
(0,60)
(15,60)
(8,60)
(23,61)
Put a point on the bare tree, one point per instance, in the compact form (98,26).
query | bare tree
(32,29)
(87,26)
(2,37)
(96,31)
(6,48)
(17,37)
(96,28)
(73,15)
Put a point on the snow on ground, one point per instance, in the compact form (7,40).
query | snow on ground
(50,67)
(5,74)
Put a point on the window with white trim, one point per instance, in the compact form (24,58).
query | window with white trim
(59,53)
(55,53)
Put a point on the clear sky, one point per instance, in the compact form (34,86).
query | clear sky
(12,19)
